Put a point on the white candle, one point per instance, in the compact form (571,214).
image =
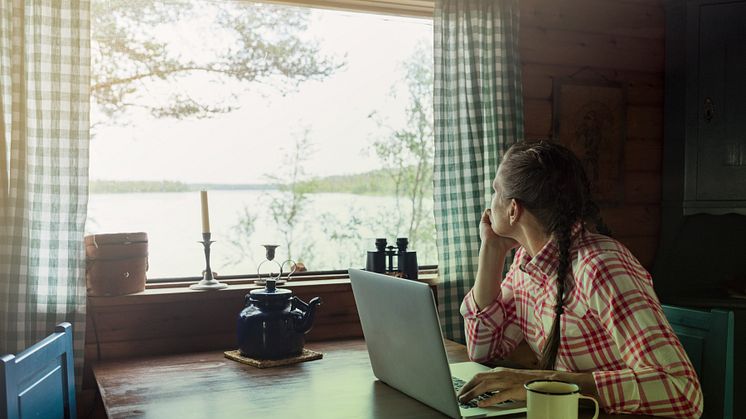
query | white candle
(205,212)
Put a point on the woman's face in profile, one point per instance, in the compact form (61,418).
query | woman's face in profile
(500,209)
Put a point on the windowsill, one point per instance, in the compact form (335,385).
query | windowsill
(180,291)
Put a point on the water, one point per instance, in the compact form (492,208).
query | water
(334,231)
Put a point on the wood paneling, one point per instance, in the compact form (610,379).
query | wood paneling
(553,46)
(166,321)
(642,247)
(643,156)
(642,88)
(610,17)
(637,220)
(537,115)
(645,123)
(604,40)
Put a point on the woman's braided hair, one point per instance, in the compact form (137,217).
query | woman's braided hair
(549,181)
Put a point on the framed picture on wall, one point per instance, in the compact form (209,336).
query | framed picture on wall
(590,118)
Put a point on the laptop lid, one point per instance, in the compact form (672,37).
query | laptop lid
(405,343)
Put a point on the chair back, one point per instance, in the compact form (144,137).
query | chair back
(40,381)
(707,337)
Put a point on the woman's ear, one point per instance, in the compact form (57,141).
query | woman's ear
(515,211)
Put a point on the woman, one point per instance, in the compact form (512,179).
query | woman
(581,301)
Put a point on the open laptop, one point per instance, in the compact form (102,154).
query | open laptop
(405,345)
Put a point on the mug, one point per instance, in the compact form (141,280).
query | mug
(551,399)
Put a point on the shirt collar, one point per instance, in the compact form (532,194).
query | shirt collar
(544,264)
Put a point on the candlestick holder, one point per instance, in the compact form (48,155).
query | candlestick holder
(208,281)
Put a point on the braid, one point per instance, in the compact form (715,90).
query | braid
(593,213)
(550,181)
(590,210)
(563,237)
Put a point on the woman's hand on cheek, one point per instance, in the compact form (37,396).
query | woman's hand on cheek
(508,383)
(492,239)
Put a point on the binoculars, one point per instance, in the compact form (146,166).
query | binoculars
(406,261)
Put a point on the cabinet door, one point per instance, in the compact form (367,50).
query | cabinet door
(721,136)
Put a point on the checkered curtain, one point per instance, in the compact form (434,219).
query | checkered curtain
(44,123)
(478,115)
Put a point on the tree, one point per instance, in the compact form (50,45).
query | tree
(407,152)
(287,209)
(134,53)
(240,237)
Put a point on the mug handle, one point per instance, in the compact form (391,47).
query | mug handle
(595,415)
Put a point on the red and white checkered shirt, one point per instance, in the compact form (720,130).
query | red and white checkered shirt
(612,326)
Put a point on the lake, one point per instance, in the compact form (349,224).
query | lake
(333,230)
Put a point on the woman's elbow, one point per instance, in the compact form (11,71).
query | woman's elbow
(690,403)
(478,354)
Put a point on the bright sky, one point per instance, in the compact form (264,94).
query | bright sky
(245,145)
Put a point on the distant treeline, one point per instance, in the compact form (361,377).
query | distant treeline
(130,186)
(377,182)
(370,183)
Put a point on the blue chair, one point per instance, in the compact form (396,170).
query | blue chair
(40,381)
(707,337)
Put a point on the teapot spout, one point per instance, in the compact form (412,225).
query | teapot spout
(306,313)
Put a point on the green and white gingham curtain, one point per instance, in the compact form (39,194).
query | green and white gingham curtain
(478,115)
(44,139)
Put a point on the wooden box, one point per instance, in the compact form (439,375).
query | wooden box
(116,263)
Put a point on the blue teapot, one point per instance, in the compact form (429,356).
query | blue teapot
(273,323)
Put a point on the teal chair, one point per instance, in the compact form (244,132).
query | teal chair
(707,338)
(40,381)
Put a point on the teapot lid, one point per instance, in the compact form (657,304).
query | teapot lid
(271,293)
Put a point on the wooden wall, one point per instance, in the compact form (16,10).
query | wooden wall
(622,41)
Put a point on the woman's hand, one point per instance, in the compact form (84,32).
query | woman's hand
(507,382)
(492,239)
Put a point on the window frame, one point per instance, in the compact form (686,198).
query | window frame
(403,8)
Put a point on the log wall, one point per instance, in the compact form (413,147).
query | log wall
(615,40)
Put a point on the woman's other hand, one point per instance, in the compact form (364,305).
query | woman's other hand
(508,383)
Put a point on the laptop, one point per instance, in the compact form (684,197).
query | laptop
(405,344)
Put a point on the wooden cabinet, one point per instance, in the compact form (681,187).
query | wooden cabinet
(706,51)
(704,160)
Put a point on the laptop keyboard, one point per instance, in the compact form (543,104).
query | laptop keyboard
(459,383)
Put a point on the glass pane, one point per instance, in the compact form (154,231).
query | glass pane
(310,129)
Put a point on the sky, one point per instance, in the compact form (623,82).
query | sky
(246,145)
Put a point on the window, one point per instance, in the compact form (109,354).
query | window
(311,129)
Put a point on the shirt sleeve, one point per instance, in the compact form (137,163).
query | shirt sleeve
(659,379)
(492,332)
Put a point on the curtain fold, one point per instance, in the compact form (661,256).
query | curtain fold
(44,138)
(478,108)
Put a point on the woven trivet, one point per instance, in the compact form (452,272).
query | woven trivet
(307,355)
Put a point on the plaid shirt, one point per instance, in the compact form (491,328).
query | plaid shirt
(612,325)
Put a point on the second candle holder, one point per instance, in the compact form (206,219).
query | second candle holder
(208,281)
(270,261)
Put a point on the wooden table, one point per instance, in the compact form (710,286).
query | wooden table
(207,385)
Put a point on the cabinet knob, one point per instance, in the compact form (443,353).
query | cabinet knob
(709,110)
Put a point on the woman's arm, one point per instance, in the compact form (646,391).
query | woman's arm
(492,253)
(660,379)
(489,309)
(489,274)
